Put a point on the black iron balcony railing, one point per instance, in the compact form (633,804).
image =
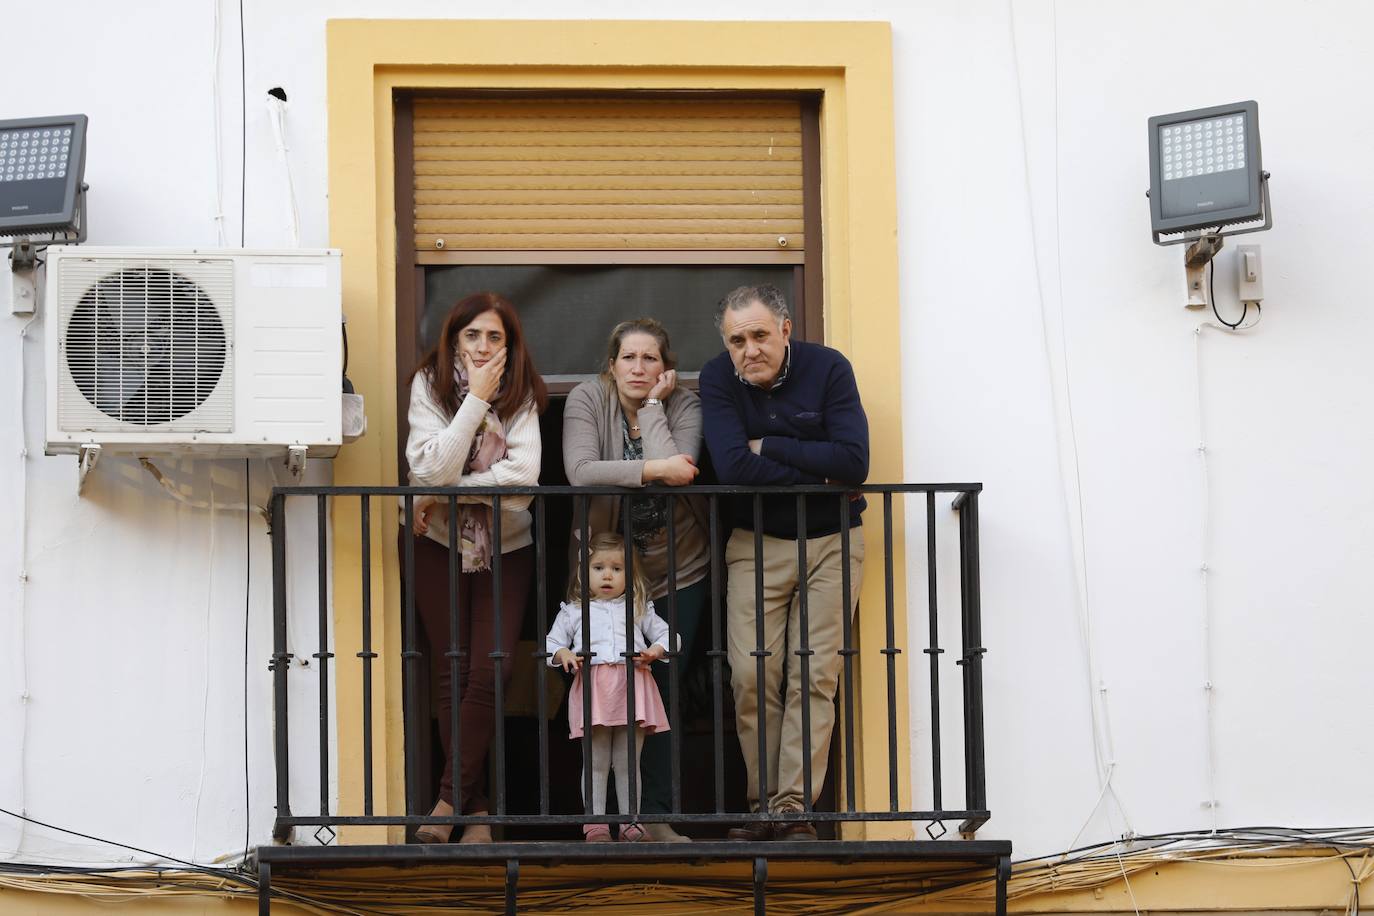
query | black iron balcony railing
(972,814)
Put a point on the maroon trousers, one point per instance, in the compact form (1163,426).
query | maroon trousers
(477,634)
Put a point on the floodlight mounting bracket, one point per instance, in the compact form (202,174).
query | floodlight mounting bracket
(1188,238)
(23,256)
(24,279)
(1196,257)
(1208,245)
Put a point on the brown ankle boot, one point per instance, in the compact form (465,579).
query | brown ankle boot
(436,833)
(477,833)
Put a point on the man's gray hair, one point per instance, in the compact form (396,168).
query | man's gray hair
(744,296)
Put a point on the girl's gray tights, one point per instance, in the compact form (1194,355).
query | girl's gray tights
(608,745)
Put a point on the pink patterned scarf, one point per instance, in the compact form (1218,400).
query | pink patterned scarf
(474,519)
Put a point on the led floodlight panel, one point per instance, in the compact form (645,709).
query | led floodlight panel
(41,164)
(1205,168)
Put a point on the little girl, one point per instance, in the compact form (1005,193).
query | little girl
(608,737)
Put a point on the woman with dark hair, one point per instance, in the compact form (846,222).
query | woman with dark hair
(630,427)
(475,401)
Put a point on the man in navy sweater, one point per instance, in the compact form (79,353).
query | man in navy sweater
(778,411)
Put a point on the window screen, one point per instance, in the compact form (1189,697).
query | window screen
(568,311)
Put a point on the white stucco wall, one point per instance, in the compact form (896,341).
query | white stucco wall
(1031,289)
(130,638)
(1029,286)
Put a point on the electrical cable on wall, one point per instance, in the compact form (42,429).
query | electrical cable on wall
(233,876)
(21,638)
(1353,907)
(247,466)
(1212,300)
(1125,877)
(276,113)
(219,143)
(247,603)
(1099,710)
(1204,567)
(247,505)
(205,668)
(1203,571)
(243,135)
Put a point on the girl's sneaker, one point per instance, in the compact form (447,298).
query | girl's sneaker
(633,833)
(597,833)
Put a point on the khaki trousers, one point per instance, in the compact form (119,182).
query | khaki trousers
(780,609)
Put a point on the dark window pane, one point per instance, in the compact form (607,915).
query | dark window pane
(568,311)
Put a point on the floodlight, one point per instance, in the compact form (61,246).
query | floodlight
(42,161)
(1205,172)
(1205,175)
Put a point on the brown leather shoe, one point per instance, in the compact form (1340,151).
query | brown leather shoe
(752,832)
(795,830)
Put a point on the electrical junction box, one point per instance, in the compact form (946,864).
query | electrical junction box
(1249,274)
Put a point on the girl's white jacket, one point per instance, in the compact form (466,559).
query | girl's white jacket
(607,630)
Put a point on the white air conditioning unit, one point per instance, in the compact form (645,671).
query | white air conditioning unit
(212,353)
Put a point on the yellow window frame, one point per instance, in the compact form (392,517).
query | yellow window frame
(849,63)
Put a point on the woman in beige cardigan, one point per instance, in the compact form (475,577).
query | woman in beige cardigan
(475,402)
(630,427)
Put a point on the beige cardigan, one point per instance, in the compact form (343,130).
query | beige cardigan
(437,449)
(593,455)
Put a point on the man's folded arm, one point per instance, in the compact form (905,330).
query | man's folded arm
(842,457)
(728,442)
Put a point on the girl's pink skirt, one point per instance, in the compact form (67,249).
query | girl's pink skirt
(608,700)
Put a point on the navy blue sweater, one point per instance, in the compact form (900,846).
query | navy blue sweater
(813,430)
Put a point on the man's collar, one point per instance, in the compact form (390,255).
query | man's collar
(782,373)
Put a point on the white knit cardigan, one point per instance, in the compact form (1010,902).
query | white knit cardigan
(437,450)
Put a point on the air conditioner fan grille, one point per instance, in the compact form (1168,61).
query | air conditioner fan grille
(146,345)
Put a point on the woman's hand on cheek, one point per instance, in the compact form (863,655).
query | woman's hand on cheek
(665,385)
(485,381)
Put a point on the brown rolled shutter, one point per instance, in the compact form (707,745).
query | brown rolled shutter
(608,174)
